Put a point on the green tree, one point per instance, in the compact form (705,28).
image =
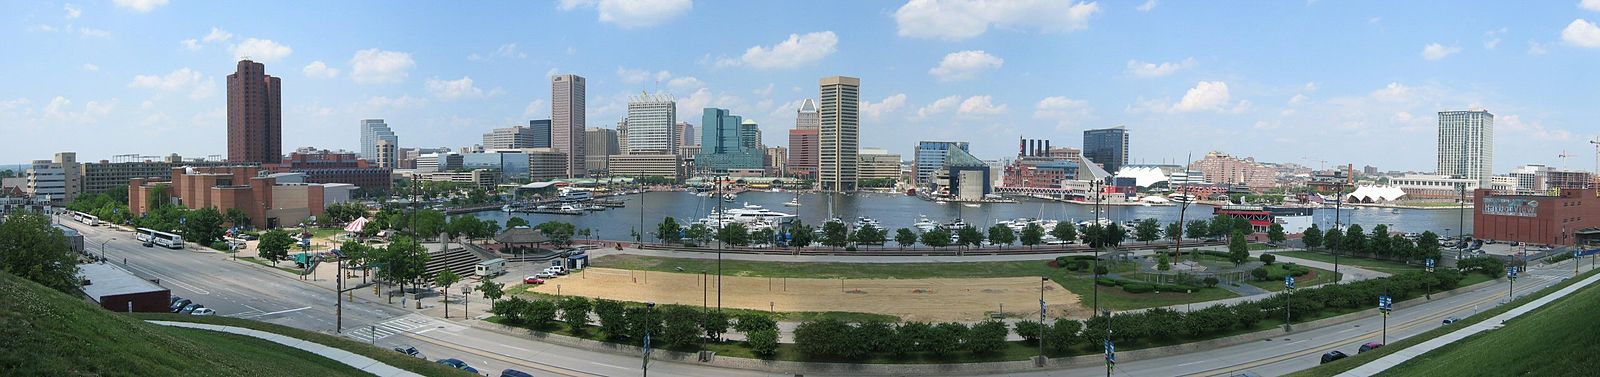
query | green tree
(1221,225)
(575,312)
(938,237)
(1312,237)
(1355,239)
(203,226)
(560,233)
(238,218)
(1029,330)
(1065,231)
(1147,230)
(669,231)
(1174,231)
(274,245)
(682,326)
(540,313)
(1197,229)
(33,249)
(1267,259)
(1380,243)
(1238,249)
(763,343)
(511,309)
(1275,233)
(1032,235)
(445,279)
(1402,248)
(1333,240)
(870,235)
(971,236)
(429,223)
(734,234)
(946,338)
(764,236)
(1062,335)
(699,233)
(1001,235)
(987,337)
(1242,225)
(752,322)
(714,324)
(1163,263)
(801,235)
(835,234)
(491,290)
(905,237)
(1428,245)
(1094,235)
(612,318)
(516,222)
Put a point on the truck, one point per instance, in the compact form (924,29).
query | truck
(491,268)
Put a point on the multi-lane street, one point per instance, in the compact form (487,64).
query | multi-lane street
(244,290)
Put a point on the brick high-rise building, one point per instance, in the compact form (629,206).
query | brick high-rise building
(567,121)
(255,124)
(803,140)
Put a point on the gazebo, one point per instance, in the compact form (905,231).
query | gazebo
(517,237)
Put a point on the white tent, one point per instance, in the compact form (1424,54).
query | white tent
(356,226)
(1375,194)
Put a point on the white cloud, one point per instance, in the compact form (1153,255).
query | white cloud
(93,33)
(403,102)
(1534,129)
(765,91)
(1065,111)
(980,105)
(191,44)
(42,28)
(374,66)
(1147,6)
(453,89)
(508,50)
(962,19)
(1593,5)
(632,13)
(154,119)
(179,80)
(1146,70)
(1581,33)
(1491,39)
(261,50)
(90,67)
(217,35)
(73,11)
(685,83)
(1435,51)
(142,6)
(1205,95)
(318,69)
(938,106)
(1395,92)
(796,51)
(1310,86)
(875,111)
(535,107)
(1299,99)
(637,76)
(61,109)
(965,65)
(1536,48)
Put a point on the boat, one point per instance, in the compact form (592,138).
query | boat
(957,224)
(862,222)
(571,208)
(924,224)
(971,205)
(594,207)
(505,208)
(751,213)
(1396,210)
(729,197)
(940,202)
(569,195)
(792,203)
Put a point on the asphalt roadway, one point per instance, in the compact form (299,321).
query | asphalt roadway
(243,290)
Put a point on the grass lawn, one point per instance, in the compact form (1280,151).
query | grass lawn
(390,357)
(1345,259)
(264,262)
(1523,347)
(1337,367)
(1079,283)
(521,290)
(49,333)
(1316,277)
(326,232)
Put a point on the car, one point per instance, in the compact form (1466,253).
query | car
(575,252)
(203,312)
(458,364)
(191,308)
(248,237)
(175,300)
(176,306)
(149,244)
(1369,346)
(532,280)
(410,351)
(514,373)
(1452,320)
(545,274)
(1332,356)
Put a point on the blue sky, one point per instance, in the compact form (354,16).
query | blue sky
(1287,81)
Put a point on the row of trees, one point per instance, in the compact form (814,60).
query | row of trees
(673,326)
(1378,244)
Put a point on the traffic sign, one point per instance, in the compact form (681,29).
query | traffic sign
(1430,264)
(1511,272)
(1288,282)
(1385,303)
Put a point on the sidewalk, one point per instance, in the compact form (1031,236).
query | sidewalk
(363,363)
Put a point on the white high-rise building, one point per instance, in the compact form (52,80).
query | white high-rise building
(567,120)
(839,134)
(373,130)
(1466,145)
(510,138)
(652,125)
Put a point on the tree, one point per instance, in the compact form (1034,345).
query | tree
(905,237)
(869,235)
(699,233)
(560,233)
(835,234)
(1163,263)
(682,326)
(714,324)
(428,223)
(492,290)
(575,312)
(669,231)
(1001,235)
(1312,237)
(1238,250)
(612,320)
(445,279)
(971,236)
(1063,334)
(274,245)
(1355,239)
(801,235)
(511,309)
(1221,225)
(763,343)
(1094,235)
(1380,241)
(1174,231)
(1275,233)
(1065,231)
(1332,240)
(539,313)
(1029,330)
(1267,259)
(1147,230)
(33,249)
(734,234)
(1428,245)
(1243,225)
(753,322)
(516,222)
(1197,229)
(203,226)
(1115,234)
(1033,234)
(763,236)
(938,237)
(987,337)
(946,338)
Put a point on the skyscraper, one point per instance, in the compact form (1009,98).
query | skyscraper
(750,134)
(1466,145)
(255,124)
(652,124)
(930,157)
(803,140)
(373,131)
(686,135)
(510,138)
(839,133)
(723,146)
(1107,147)
(567,121)
(541,132)
(388,154)
(599,145)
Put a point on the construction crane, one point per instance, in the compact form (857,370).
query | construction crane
(1564,156)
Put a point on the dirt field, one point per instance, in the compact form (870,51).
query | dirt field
(909,299)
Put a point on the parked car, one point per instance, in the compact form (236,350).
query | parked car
(458,364)
(1332,356)
(178,305)
(175,300)
(203,312)
(1452,320)
(248,237)
(191,308)
(1369,346)
(514,373)
(546,274)
(410,351)
(532,280)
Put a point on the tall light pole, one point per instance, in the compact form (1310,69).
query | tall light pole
(103,249)
(720,214)
(1042,280)
(1338,210)
(638,186)
(648,307)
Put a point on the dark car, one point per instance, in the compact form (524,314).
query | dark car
(178,305)
(188,309)
(248,237)
(149,244)
(1452,320)
(175,300)
(458,364)
(1332,356)
(1369,346)
(514,373)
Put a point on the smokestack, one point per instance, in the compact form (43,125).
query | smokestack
(1047,147)
(1022,146)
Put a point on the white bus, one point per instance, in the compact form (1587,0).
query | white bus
(163,239)
(85,218)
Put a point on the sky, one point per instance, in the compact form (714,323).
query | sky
(1309,82)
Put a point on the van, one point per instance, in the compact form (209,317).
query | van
(491,268)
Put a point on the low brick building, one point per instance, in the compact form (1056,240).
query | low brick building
(267,203)
(1536,219)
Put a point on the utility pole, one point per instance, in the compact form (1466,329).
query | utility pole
(1338,208)
(1288,296)
(1385,305)
(1042,280)
(721,212)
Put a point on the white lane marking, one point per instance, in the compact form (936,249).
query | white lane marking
(609,365)
(284,311)
(166,278)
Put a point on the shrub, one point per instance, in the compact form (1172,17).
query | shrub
(764,343)
(1101,270)
(1109,282)
(1138,288)
(1063,334)
(1268,259)
(850,248)
(987,338)
(539,313)
(1259,273)
(754,322)
(945,338)
(1028,330)
(1485,265)
(1211,281)
(218,245)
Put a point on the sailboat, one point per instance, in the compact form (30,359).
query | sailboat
(793,202)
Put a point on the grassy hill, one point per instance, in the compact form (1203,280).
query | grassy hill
(1555,340)
(47,333)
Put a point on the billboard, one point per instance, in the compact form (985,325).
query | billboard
(1511,207)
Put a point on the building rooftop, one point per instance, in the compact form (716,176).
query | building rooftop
(109,280)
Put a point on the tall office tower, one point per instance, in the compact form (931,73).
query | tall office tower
(567,121)
(599,145)
(686,135)
(803,141)
(1107,147)
(807,118)
(255,124)
(750,134)
(373,131)
(510,138)
(1466,145)
(839,133)
(541,132)
(723,149)
(930,157)
(652,124)
(388,155)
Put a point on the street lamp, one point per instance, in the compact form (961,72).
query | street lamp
(103,249)
(1042,280)
(648,307)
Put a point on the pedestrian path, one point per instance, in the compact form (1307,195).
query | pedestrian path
(402,324)
(365,364)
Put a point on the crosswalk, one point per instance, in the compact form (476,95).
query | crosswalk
(397,325)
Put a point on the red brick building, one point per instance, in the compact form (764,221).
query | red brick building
(329,167)
(1536,219)
(226,187)
(255,123)
(803,147)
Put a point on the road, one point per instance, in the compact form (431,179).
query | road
(243,290)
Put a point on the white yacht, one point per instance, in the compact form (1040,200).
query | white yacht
(924,224)
(573,195)
(862,222)
(752,212)
(571,208)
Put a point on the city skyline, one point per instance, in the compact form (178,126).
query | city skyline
(152,80)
